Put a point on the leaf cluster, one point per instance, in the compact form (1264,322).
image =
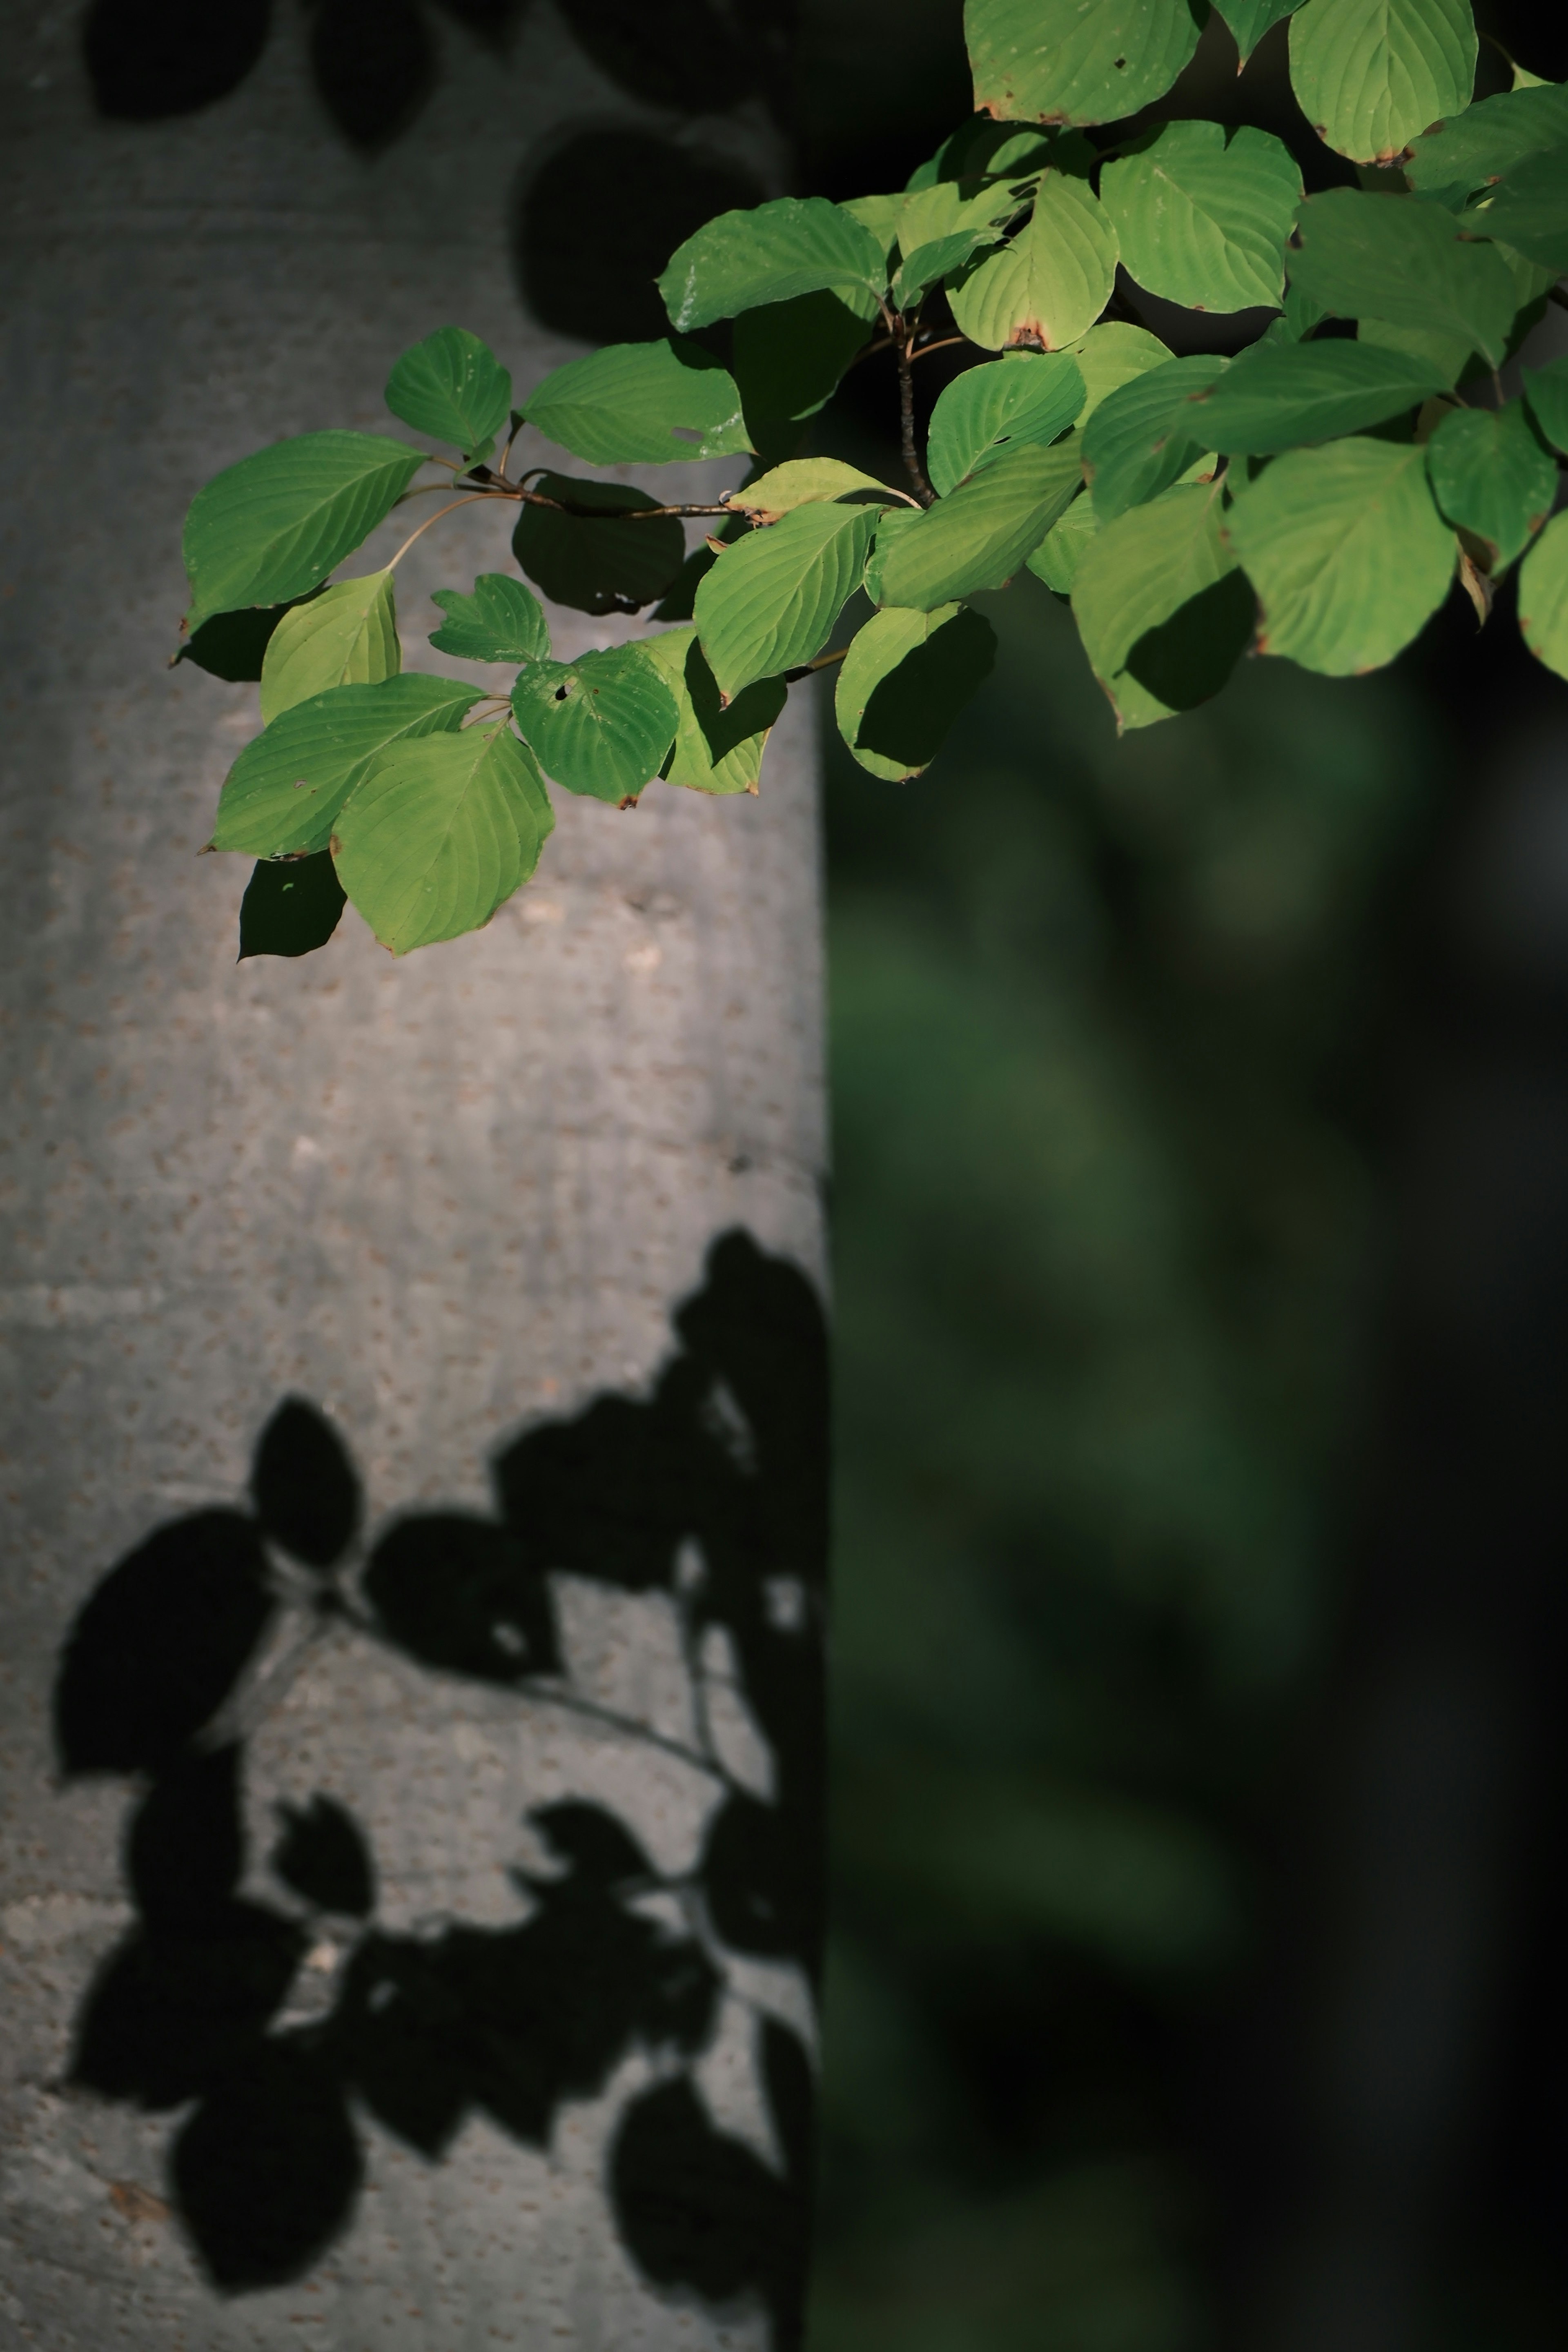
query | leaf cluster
(1315,496)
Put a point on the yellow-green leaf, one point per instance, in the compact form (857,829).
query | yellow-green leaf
(718,748)
(1075,60)
(1371,75)
(806,481)
(345,637)
(1161,607)
(1202,221)
(903,682)
(1544,597)
(978,537)
(1050,282)
(770,599)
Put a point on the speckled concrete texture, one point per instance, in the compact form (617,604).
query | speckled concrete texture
(438,1197)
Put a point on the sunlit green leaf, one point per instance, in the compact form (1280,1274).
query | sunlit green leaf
(1544,597)
(1471,148)
(600,725)
(939,229)
(1027,396)
(802,481)
(1529,209)
(1145,435)
(290,906)
(796,245)
(438,834)
(345,637)
(1250,19)
(499,622)
(1204,222)
(1161,607)
(1050,282)
(1491,477)
(770,601)
(1347,552)
(641,403)
(1371,75)
(717,747)
(597,566)
(1546,397)
(978,537)
(1405,260)
(453,387)
(1110,355)
(1059,553)
(286,788)
(1066,61)
(1276,396)
(271,528)
(903,682)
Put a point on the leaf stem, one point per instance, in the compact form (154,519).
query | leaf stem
(470,501)
(823,661)
(946,345)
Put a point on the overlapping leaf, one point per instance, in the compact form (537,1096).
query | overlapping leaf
(1407,261)
(978,537)
(1470,150)
(939,228)
(1110,355)
(595,564)
(601,726)
(1371,75)
(718,748)
(1491,478)
(1146,434)
(345,637)
(770,601)
(284,791)
(641,403)
(452,387)
(903,682)
(1056,559)
(271,528)
(500,621)
(1061,61)
(1161,607)
(438,834)
(1544,597)
(1050,282)
(1030,396)
(1278,395)
(787,359)
(1546,397)
(1204,222)
(805,482)
(1250,19)
(796,245)
(1529,209)
(1346,550)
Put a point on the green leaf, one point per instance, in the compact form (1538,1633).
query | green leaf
(1059,553)
(438,834)
(1546,397)
(881,214)
(500,622)
(345,637)
(978,537)
(796,245)
(1470,150)
(1250,19)
(1445,355)
(1347,552)
(1163,612)
(1278,395)
(718,748)
(1544,597)
(905,678)
(939,229)
(1110,355)
(1049,282)
(271,528)
(1145,434)
(1529,210)
(602,725)
(1201,222)
(803,482)
(452,387)
(1371,75)
(787,357)
(1403,259)
(1491,477)
(290,906)
(630,403)
(1030,396)
(1066,61)
(770,601)
(597,566)
(286,788)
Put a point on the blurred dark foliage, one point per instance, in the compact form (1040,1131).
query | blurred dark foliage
(191,2010)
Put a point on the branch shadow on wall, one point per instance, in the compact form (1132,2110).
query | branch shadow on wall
(711,1490)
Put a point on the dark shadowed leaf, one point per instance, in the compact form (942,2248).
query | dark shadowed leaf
(1544,597)
(233,645)
(461,1594)
(787,357)
(717,749)
(1163,612)
(1469,150)
(374,66)
(290,906)
(268,2168)
(1546,397)
(903,682)
(1491,477)
(1529,209)
(597,566)
(322,1856)
(303,1485)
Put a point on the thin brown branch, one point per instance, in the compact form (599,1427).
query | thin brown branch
(946,345)
(471,500)
(918,482)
